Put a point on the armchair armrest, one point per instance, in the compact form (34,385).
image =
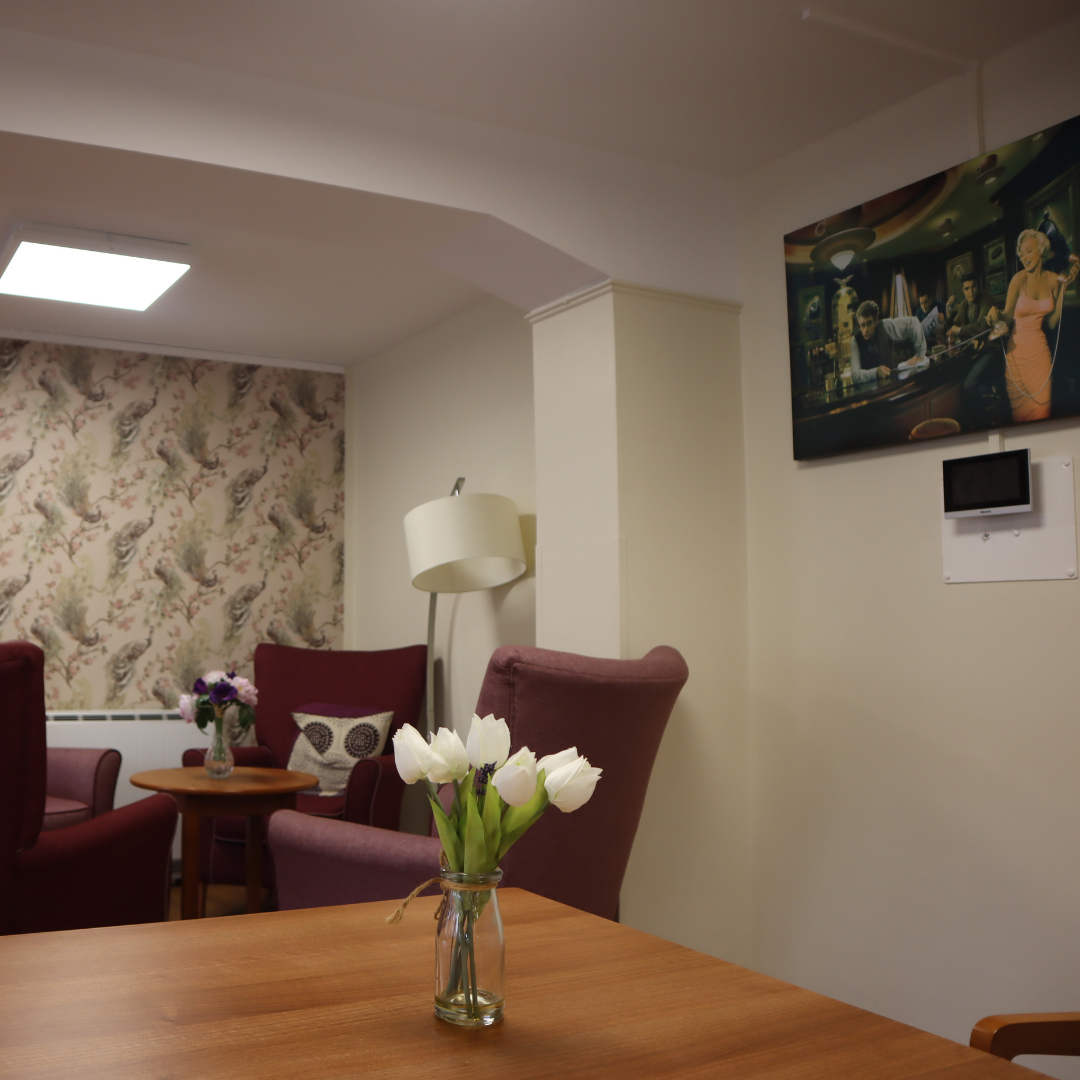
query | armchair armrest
(108,871)
(251,757)
(1012,1034)
(373,796)
(86,776)
(321,861)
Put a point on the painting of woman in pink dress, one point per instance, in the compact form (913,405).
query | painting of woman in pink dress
(1032,307)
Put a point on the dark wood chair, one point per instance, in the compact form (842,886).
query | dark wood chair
(1011,1034)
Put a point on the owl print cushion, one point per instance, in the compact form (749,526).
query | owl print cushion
(333,738)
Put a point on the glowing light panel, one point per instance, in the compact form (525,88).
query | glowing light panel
(78,276)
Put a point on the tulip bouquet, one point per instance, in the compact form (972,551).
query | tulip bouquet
(498,797)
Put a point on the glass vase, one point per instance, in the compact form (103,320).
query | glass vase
(219,759)
(469,951)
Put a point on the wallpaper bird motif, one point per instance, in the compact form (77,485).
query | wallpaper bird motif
(160,516)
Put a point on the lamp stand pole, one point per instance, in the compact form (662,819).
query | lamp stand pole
(430,688)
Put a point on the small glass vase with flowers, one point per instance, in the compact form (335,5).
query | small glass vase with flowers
(497,798)
(211,697)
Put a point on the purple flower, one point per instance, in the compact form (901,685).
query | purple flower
(222,692)
(200,686)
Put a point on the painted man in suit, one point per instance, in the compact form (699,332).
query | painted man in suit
(971,316)
(881,344)
(984,387)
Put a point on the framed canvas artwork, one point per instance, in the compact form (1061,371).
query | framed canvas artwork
(945,306)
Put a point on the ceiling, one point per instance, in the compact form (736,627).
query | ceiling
(304,271)
(286,268)
(720,86)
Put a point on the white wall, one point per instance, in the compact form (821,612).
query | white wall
(641,511)
(682,525)
(453,401)
(577,474)
(915,746)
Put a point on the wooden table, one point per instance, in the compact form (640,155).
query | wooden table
(249,791)
(335,993)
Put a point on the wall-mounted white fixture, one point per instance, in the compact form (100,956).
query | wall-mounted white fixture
(49,262)
(1035,546)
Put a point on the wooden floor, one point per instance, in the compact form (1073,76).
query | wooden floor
(220,900)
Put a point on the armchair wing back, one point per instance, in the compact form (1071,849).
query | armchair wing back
(288,677)
(22,759)
(615,713)
(108,870)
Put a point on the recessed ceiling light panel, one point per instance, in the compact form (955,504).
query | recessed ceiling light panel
(80,267)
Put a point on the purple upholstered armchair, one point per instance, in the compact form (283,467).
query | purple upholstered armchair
(80,784)
(106,871)
(613,711)
(287,678)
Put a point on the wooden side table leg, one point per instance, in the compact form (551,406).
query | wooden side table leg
(255,832)
(189,872)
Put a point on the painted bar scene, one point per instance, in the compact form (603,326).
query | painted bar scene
(949,305)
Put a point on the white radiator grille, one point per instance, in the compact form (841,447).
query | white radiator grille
(146,740)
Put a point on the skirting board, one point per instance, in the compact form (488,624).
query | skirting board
(1037,546)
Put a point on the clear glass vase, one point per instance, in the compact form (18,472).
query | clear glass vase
(469,951)
(219,759)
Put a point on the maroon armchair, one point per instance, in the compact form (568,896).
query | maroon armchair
(106,871)
(613,711)
(287,678)
(80,784)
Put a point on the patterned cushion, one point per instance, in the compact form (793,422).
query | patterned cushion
(333,738)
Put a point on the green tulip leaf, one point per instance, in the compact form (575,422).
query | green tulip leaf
(450,841)
(493,807)
(475,847)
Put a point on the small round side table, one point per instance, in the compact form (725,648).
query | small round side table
(250,791)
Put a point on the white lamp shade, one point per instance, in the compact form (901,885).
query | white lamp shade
(464,542)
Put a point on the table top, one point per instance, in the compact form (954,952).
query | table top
(243,780)
(335,993)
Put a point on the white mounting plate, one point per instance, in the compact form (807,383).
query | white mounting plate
(1037,546)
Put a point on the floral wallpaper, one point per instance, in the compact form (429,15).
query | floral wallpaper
(159,517)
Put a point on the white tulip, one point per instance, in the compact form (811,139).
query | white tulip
(516,780)
(571,785)
(411,754)
(553,761)
(488,742)
(449,760)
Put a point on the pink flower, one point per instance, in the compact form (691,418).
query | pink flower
(247,693)
(187,707)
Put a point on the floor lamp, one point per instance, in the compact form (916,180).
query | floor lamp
(460,544)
